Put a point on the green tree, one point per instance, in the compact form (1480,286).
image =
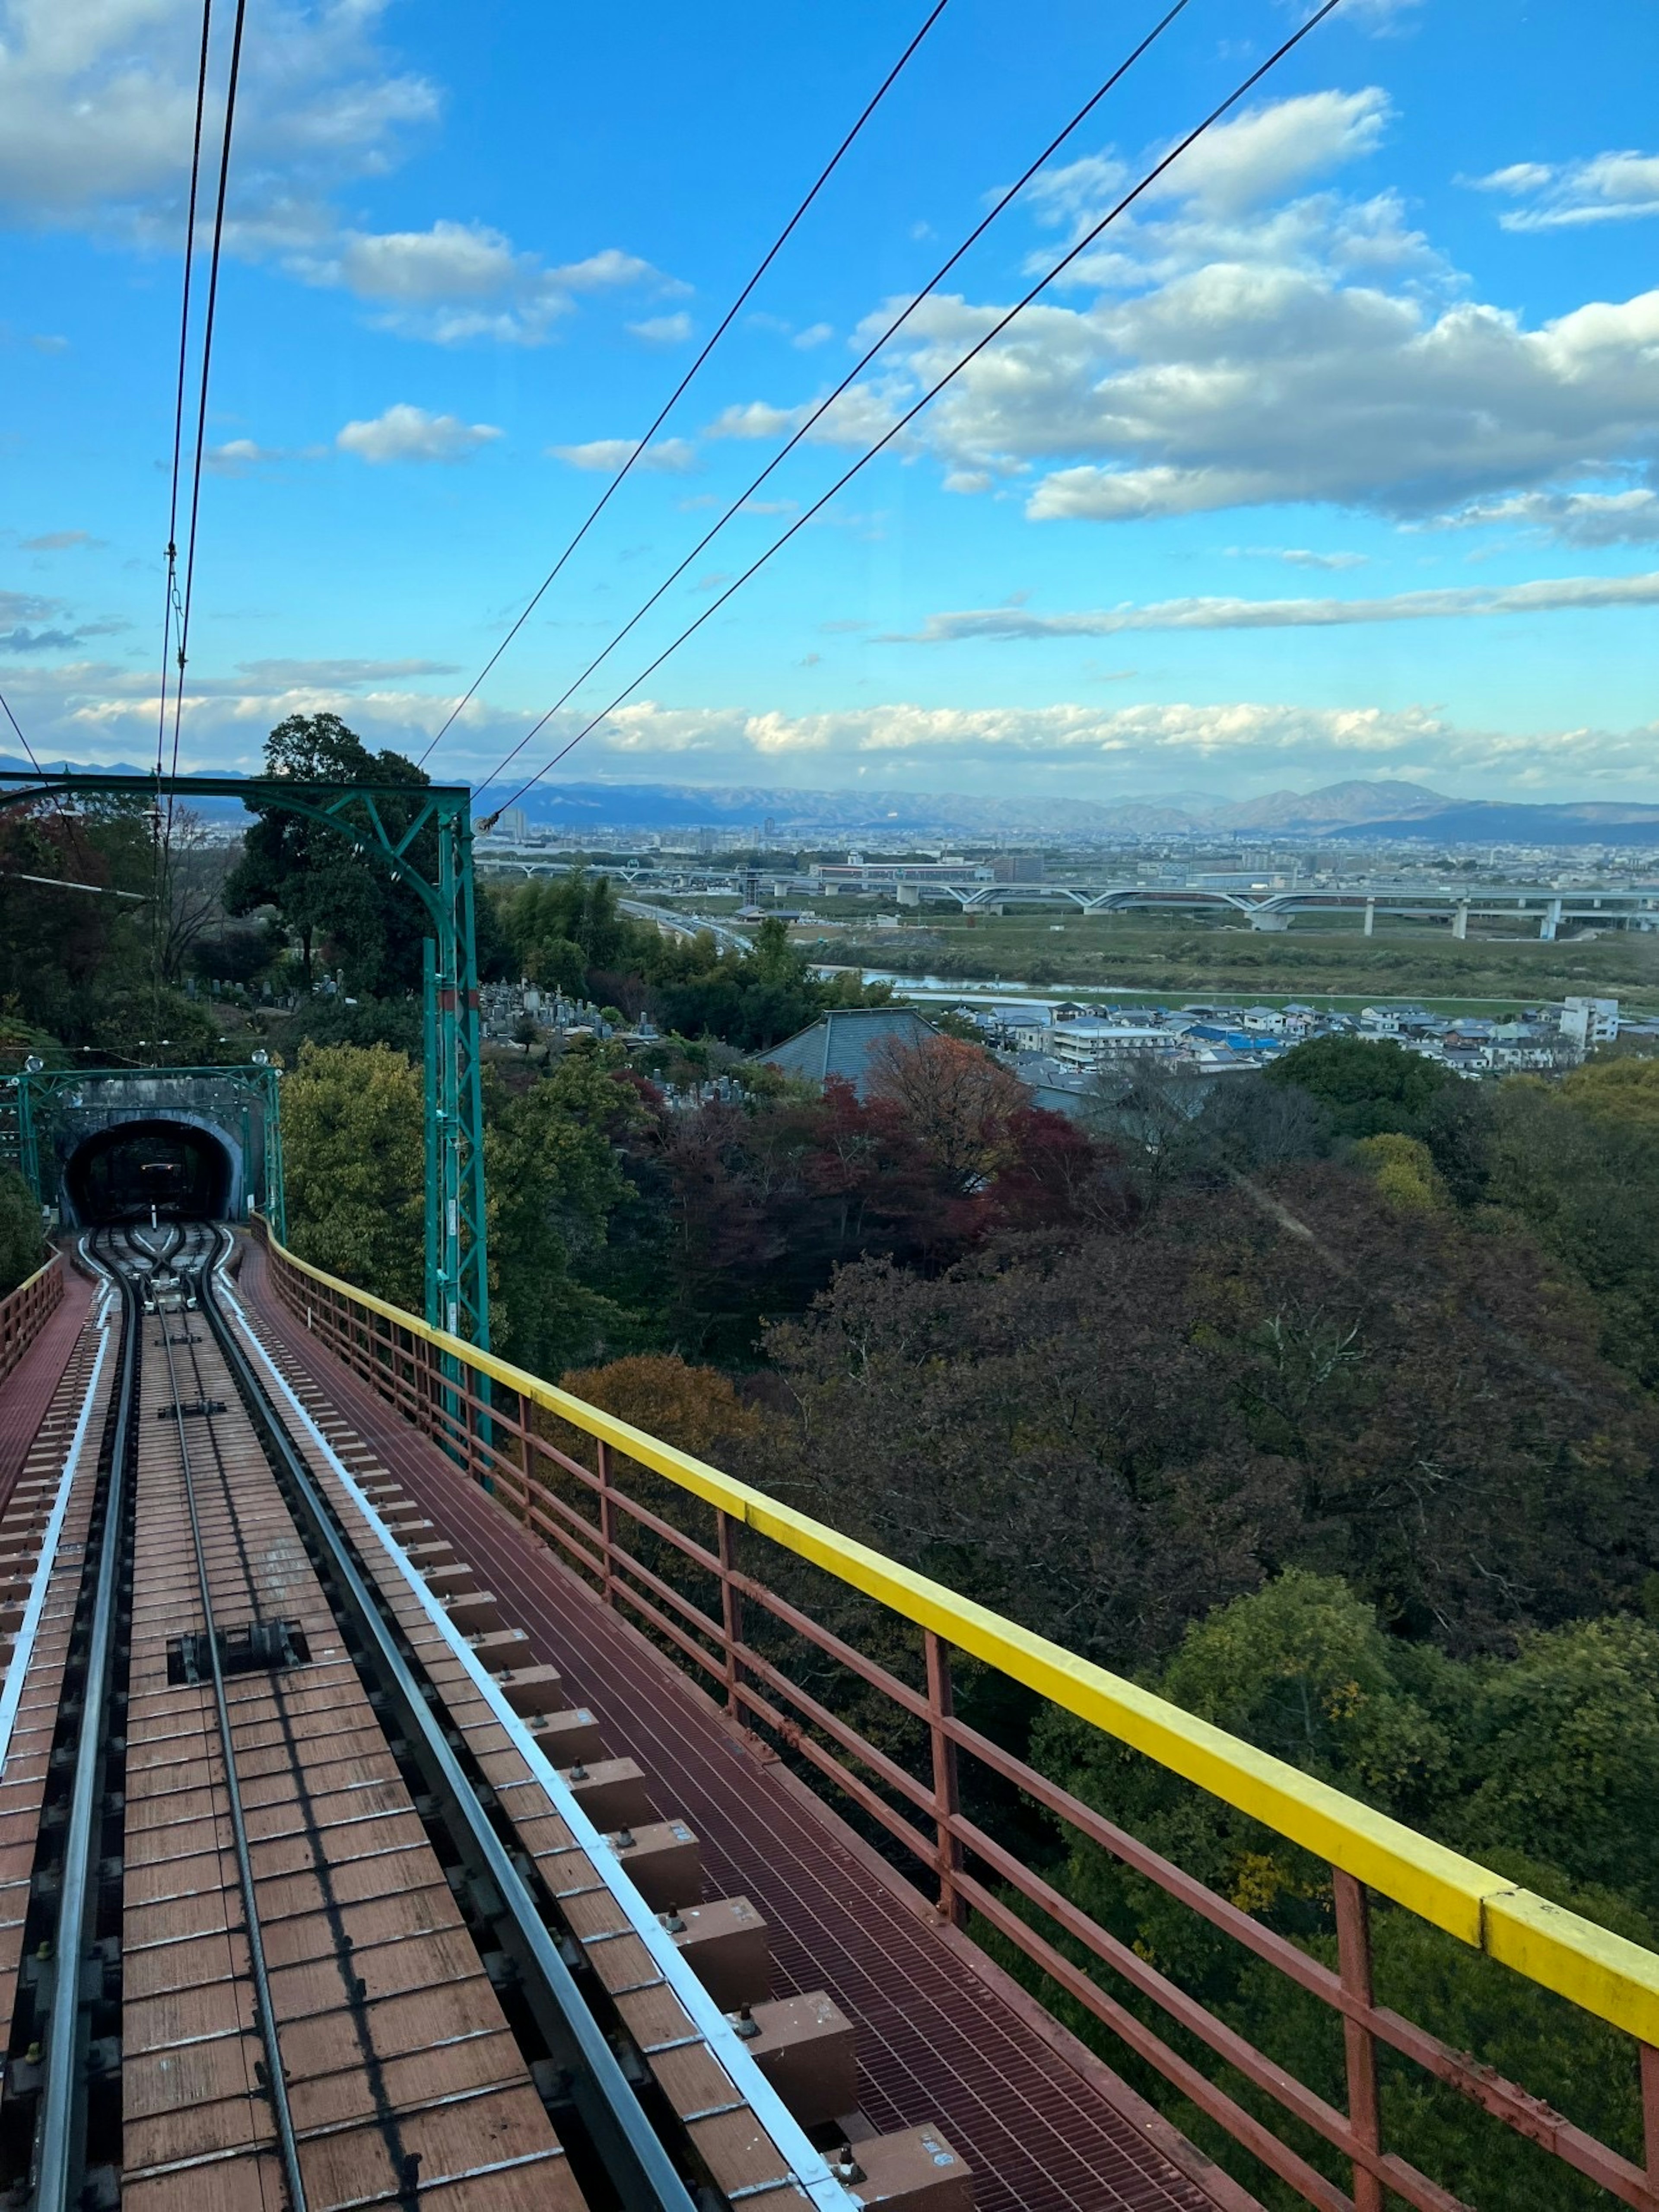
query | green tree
(327,890)
(22,1247)
(1403,1168)
(1587,1185)
(354,1166)
(1366,1087)
(556,1179)
(1520,1760)
(1619,1093)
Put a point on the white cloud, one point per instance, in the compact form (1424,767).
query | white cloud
(757,420)
(670,456)
(815,334)
(451,261)
(1230,348)
(1298,556)
(343,674)
(608,270)
(409,434)
(103,711)
(97,103)
(453,282)
(1606,188)
(663,329)
(96,109)
(1572,517)
(60,541)
(1553,595)
(241,457)
(1269,150)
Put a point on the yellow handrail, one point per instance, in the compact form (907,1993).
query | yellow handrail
(46,1268)
(1615,1979)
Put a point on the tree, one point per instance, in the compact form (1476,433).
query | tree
(1586,1183)
(555,1176)
(1087,1432)
(696,1409)
(354,1167)
(196,872)
(1619,1093)
(1522,1760)
(1366,1087)
(958,1102)
(1404,1170)
(23,1245)
(67,956)
(326,889)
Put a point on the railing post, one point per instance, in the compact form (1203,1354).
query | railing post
(1651,2110)
(730,1610)
(1353,1957)
(946,1795)
(607,1520)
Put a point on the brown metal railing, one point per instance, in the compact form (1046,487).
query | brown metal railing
(25,1312)
(499,1438)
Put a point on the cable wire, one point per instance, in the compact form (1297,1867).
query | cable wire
(207,363)
(857,370)
(995,331)
(163,824)
(172,595)
(677,393)
(22,739)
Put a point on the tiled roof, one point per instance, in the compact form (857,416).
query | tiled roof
(841,1043)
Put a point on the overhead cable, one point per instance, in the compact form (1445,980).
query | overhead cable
(995,331)
(857,370)
(207,364)
(676,395)
(22,739)
(172,597)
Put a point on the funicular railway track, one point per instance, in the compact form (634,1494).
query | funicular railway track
(308,1920)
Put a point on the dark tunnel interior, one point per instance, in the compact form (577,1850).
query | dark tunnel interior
(121,1172)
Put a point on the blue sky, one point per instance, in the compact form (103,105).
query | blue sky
(1339,456)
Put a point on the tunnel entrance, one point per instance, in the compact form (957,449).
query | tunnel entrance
(120,1172)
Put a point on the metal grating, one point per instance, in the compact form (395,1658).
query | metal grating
(935,2043)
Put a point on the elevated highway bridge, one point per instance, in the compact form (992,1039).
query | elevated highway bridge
(1547,909)
(420,1789)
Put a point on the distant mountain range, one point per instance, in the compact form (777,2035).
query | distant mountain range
(1476,821)
(672,805)
(1356,809)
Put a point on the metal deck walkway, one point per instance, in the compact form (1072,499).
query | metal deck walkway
(937,2041)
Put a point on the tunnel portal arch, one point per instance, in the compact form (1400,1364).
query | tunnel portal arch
(184,1165)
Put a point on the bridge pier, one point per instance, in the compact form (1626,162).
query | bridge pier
(1550,922)
(1460,920)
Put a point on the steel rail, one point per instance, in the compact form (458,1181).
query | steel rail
(22,1650)
(59,2141)
(276,2084)
(635,2155)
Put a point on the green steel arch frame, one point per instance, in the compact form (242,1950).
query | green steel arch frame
(42,1093)
(456,1254)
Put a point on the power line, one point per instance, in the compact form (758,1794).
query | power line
(857,370)
(674,397)
(170,598)
(22,739)
(929,396)
(207,363)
